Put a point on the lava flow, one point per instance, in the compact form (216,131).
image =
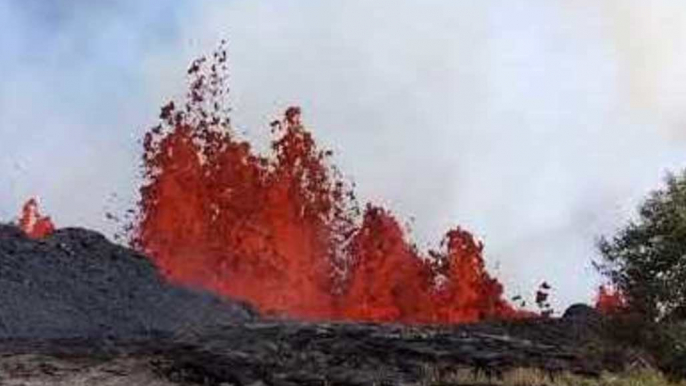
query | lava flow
(284,231)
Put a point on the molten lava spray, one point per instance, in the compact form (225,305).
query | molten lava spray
(33,223)
(610,301)
(284,231)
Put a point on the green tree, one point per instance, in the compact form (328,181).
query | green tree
(646,259)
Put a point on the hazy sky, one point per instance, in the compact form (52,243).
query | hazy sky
(538,125)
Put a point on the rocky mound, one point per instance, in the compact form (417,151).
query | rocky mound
(76,283)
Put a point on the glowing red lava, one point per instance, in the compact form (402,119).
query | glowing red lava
(285,232)
(33,223)
(609,300)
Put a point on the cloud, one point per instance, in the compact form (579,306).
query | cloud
(73,103)
(649,41)
(538,125)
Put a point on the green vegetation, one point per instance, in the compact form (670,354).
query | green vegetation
(646,259)
(646,262)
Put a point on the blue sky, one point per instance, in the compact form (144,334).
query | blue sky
(536,124)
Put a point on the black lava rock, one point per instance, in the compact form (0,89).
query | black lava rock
(76,282)
(582,311)
(75,294)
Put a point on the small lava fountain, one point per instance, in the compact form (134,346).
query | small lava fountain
(33,223)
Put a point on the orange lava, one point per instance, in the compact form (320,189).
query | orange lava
(33,223)
(285,232)
(609,301)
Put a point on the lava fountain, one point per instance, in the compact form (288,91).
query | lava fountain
(33,223)
(610,300)
(284,231)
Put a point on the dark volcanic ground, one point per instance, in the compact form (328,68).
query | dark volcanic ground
(76,283)
(75,296)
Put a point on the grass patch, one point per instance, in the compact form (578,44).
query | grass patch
(533,377)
